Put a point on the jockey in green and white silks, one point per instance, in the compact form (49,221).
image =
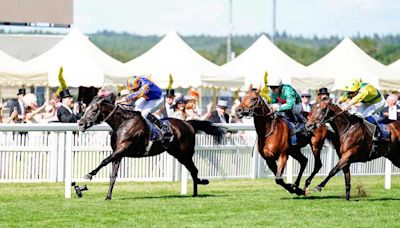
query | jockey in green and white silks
(289,103)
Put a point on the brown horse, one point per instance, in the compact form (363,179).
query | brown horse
(274,140)
(355,140)
(131,134)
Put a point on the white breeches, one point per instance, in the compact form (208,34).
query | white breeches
(146,107)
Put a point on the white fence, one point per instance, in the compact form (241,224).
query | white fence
(58,152)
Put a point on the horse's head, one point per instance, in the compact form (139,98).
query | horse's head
(321,113)
(251,104)
(94,113)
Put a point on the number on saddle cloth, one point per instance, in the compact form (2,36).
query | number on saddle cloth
(381,125)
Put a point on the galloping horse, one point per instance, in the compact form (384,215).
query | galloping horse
(131,133)
(355,140)
(274,140)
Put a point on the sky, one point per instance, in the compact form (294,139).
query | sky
(296,17)
(192,17)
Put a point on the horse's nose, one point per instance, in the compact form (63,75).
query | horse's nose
(239,111)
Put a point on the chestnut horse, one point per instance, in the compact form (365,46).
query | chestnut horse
(355,140)
(131,133)
(274,140)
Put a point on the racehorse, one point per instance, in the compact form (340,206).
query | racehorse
(274,140)
(131,134)
(355,140)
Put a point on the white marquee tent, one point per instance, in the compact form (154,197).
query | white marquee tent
(262,56)
(172,56)
(347,61)
(16,73)
(84,64)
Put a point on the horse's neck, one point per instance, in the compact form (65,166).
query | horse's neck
(112,120)
(261,123)
(340,122)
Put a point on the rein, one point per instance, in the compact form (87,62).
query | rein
(111,113)
(325,119)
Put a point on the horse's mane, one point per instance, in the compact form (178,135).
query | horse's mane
(353,118)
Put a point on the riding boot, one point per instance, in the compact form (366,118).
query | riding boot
(164,128)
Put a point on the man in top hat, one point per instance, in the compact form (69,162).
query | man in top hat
(305,100)
(323,94)
(169,100)
(19,105)
(220,115)
(64,113)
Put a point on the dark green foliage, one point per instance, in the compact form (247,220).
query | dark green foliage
(126,46)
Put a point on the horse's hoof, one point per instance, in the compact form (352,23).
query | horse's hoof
(88,176)
(318,188)
(107,198)
(299,192)
(203,182)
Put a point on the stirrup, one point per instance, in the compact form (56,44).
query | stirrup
(149,145)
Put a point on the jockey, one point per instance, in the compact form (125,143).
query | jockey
(290,100)
(372,102)
(148,99)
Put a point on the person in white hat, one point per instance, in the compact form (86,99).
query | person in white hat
(220,115)
(305,100)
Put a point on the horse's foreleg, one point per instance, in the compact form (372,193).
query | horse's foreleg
(188,163)
(113,177)
(278,171)
(116,154)
(303,163)
(317,166)
(346,171)
(344,160)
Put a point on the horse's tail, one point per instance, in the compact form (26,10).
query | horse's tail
(208,128)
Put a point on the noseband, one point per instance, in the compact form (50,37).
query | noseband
(257,102)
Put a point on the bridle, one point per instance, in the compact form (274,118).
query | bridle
(325,119)
(257,101)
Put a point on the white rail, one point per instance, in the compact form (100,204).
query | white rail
(58,152)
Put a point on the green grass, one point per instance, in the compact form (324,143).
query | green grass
(244,203)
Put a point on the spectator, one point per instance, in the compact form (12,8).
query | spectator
(190,112)
(234,118)
(194,97)
(13,118)
(64,113)
(169,100)
(35,114)
(392,112)
(322,94)
(179,106)
(305,101)
(20,105)
(220,115)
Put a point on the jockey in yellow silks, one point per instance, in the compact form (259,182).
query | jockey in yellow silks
(372,102)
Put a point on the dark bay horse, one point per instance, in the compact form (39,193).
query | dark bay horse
(274,140)
(131,134)
(355,140)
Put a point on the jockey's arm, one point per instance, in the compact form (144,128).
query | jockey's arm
(343,98)
(290,101)
(273,98)
(360,96)
(138,94)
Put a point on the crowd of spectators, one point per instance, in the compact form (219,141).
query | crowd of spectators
(59,109)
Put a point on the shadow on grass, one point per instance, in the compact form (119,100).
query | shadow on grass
(171,197)
(312,197)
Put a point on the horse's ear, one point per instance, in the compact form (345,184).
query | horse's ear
(250,88)
(258,89)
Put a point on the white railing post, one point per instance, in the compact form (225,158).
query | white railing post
(289,170)
(388,173)
(68,164)
(53,155)
(254,162)
(184,180)
(170,167)
(60,156)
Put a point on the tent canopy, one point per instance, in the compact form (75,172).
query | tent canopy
(347,61)
(16,73)
(262,56)
(84,64)
(172,56)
